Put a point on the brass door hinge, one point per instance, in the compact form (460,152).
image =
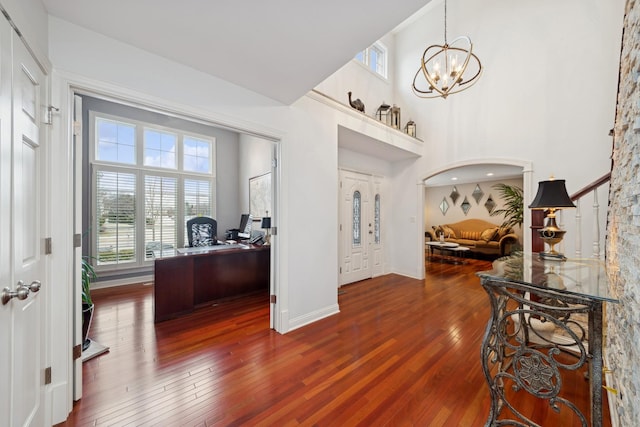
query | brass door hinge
(77,351)
(272,299)
(47,375)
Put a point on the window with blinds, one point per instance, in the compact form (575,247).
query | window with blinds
(116,210)
(147,183)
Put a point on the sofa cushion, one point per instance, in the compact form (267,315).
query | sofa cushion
(488,234)
(466,242)
(470,235)
(448,232)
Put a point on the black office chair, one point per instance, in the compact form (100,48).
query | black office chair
(202,231)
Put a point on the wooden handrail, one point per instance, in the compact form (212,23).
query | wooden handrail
(595,184)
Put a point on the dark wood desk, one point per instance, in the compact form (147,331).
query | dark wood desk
(185,281)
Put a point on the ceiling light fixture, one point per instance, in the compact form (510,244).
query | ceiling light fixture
(446,68)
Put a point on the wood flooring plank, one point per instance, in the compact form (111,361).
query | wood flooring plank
(401,352)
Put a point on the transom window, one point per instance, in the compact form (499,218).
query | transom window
(148,181)
(375,59)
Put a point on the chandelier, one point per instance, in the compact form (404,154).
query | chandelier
(448,68)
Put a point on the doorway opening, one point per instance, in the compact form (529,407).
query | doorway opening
(202,168)
(471,190)
(361,234)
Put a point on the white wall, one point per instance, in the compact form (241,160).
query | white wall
(255,157)
(370,88)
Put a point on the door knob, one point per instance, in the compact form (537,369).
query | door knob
(21,292)
(35,286)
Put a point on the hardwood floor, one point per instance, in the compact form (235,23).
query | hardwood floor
(402,352)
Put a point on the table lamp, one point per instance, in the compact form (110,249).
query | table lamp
(266,224)
(552,195)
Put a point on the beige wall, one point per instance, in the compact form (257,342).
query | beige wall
(622,351)
(434,196)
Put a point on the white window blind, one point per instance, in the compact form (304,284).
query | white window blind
(197,200)
(160,203)
(115,197)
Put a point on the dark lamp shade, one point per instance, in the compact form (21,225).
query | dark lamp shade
(552,194)
(266,222)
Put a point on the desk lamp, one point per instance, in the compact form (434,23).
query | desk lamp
(552,195)
(266,224)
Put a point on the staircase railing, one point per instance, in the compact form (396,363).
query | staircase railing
(577,198)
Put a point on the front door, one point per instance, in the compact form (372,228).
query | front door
(360,227)
(22,310)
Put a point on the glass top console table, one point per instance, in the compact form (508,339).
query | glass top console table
(546,319)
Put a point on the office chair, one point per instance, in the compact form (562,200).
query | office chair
(202,231)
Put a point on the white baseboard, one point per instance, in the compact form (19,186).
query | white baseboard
(309,318)
(122,281)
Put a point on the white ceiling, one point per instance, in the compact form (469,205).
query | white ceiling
(278,48)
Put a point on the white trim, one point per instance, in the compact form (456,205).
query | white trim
(312,317)
(83,85)
(147,279)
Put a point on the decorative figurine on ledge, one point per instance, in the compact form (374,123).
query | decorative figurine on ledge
(357,104)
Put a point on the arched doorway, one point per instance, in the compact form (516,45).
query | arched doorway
(465,190)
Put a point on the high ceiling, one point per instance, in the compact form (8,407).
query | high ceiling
(278,48)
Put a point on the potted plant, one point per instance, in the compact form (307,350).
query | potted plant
(513,210)
(88,276)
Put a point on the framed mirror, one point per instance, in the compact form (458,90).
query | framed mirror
(465,205)
(454,195)
(444,206)
(477,194)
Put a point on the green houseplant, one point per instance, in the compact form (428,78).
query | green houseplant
(513,210)
(88,276)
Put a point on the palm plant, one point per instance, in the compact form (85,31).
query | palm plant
(88,276)
(513,210)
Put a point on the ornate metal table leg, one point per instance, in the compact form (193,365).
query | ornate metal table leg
(595,364)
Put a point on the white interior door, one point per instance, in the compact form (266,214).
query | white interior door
(360,227)
(22,312)
(77,229)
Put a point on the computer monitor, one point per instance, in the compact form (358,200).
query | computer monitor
(246,222)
